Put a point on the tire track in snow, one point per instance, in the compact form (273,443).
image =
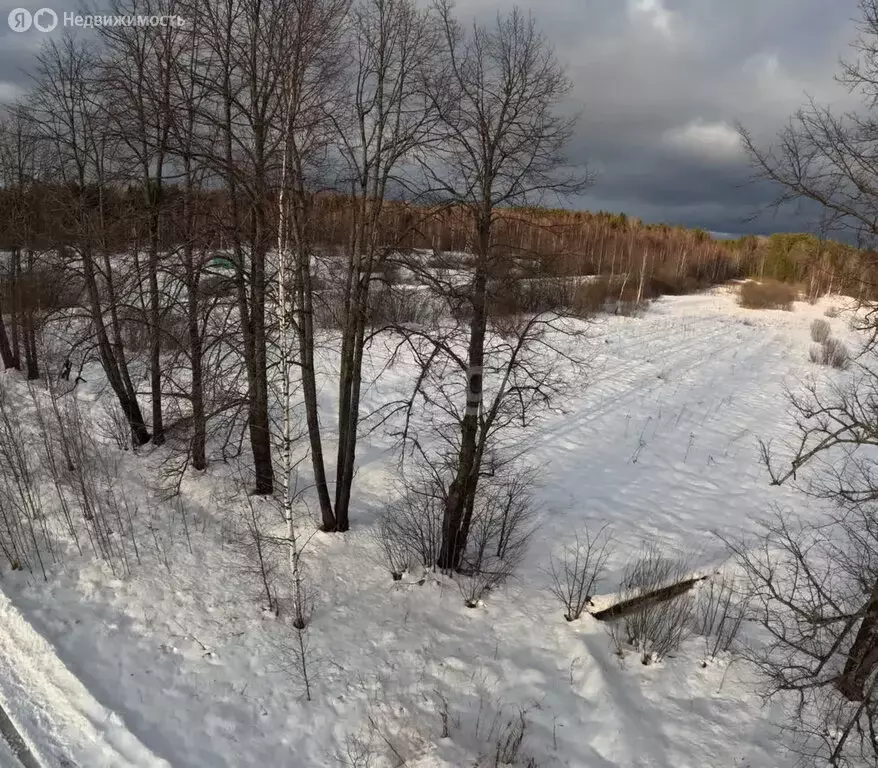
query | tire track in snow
(688,357)
(53,711)
(16,742)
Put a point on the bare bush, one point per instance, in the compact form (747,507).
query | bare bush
(612,294)
(769,294)
(25,538)
(94,481)
(517,295)
(837,354)
(261,547)
(296,610)
(595,295)
(654,628)
(719,614)
(579,569)
(832,352)
(832,312)
(112,426)
(56,461)
(499,733)
(412,525)
(507,734)
(394,305)
(673,282)
(820,331)
(817,354)
(501,528)
(391,736)
(394,548)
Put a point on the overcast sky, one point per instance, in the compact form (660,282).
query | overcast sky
(660,84)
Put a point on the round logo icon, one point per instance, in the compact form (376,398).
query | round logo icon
(20,19)
(45,20)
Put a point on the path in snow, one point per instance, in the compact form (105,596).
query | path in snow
(13,746)
(55,719)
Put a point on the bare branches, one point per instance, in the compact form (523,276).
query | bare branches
(655,628)
(811,588)
(501,527)
(719,613)
(579,570)
(497,97)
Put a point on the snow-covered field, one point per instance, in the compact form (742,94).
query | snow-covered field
(178,665)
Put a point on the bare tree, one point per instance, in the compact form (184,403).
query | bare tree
(387,118)
(313,66)
(811,588)
(188,97)
(138,68)
(828,158)
(244,43)
(502,142)
(69,119)
(19,173)
(816,585)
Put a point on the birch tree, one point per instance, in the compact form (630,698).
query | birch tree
(502,141)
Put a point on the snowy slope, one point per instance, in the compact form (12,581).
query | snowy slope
(178,665)
(55,714)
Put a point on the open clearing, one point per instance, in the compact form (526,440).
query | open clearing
(178,665)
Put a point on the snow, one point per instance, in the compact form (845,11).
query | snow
(58,718)
(179,665)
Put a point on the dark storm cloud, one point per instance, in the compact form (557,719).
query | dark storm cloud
(660,84)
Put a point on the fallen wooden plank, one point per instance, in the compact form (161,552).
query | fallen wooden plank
(630,605)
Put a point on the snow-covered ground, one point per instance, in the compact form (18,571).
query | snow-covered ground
(178,664)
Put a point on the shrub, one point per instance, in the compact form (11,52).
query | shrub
(391,305)
(833,311)
(769,294)
(594,295)
(612,295)
(501,528)
(411,528)
(831,352)
(42,289)
(837,354)
(820,331)
(667,281)
(654,628)
(496,732)
(394,547)
(530,296)
(578,571)
(719,613)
